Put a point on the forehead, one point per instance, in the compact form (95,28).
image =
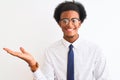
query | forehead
(69,14)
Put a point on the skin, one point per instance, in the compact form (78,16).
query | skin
(70,32)
(24,55)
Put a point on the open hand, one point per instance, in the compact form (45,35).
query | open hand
(24,55)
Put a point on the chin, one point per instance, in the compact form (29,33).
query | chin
(70,36)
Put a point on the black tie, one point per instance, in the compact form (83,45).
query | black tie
(70,66)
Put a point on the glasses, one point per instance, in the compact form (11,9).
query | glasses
(65,21)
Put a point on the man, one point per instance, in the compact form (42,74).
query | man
(86,59)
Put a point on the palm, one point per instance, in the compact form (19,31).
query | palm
(23,55)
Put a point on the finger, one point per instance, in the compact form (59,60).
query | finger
(22,50)
(10,51)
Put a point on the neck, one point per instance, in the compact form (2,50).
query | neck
(71,39)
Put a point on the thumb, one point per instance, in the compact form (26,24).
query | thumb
(22,50)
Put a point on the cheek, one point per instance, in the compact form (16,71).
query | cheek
(78,26)
(60,25)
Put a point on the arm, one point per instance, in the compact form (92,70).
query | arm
(101,68)
(34,66)
(46,71)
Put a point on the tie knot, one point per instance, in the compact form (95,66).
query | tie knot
(71,46)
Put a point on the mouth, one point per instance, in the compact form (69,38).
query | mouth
(69,30)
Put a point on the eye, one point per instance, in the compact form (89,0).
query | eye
(74,20)
(65,21)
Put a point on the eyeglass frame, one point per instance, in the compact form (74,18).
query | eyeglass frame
(72,19)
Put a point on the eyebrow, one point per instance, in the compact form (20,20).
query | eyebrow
(70,18)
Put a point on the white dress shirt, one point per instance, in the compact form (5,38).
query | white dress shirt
(89,62)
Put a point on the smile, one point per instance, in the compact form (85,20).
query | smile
(69,29)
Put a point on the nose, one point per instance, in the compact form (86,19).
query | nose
(70,24)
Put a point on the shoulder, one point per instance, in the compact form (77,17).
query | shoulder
(55,45)
(88,44)
(91,47)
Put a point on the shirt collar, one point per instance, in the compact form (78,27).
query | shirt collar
(65,43)
(75,44)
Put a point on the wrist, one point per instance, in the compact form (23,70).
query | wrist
(34,67)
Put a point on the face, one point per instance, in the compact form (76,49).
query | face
(70,23)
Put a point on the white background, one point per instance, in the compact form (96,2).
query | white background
(30,24)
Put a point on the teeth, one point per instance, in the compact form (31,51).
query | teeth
(69,29)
